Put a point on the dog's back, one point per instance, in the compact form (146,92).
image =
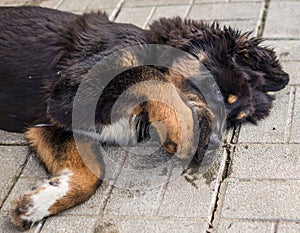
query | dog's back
(31,43)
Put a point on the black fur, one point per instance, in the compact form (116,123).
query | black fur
(45,53)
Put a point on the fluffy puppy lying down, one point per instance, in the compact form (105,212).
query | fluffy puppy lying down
(44,55)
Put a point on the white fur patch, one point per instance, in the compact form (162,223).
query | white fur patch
(47,196)
(121,132)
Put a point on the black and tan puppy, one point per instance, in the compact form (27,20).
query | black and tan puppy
(44,56)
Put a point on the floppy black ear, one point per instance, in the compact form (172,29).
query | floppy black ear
(264,60)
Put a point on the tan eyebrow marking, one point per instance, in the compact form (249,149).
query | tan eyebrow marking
(241,115)
(232,98)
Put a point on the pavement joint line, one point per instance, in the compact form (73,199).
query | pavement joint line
(153,9)
(58,4)
(117,10)
(188,11)
(276,226)
(262,18)
(40,225)
(268,143)
(232,140)
(269,220)
(18,174)
(141,217)
(163,192)
(223,172)
(13,144)
(262,179)
(288,127)
(109,191)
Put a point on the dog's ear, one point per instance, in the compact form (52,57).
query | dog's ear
(263,60)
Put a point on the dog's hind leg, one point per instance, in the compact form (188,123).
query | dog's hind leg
(72,184)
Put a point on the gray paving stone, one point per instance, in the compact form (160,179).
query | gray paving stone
(22,186)
(11,138)
(185,199)
(155,2)
(149,225)
(266,161)
(7,227)
(34,169)
(12,158)
(132,202)
(73,6)
(134,15)
(13,2)
(233,226)
(271,129)
(170,11)
(291,227)
(102,5)
(70,224)
(50,3)
(261,200)
(295,132)
(287,50)
(226,11)
(281,18)
(293,69)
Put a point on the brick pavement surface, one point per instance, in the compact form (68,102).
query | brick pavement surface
(254,186)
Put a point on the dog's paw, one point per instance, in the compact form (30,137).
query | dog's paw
(39,203)
(19,210)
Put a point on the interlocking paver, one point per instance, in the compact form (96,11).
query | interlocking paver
(69,224)
(22,185)
(287,50)
(293,68)
(226,11)
(192,199)
(241,15)
(261,161)
(271,129)
(173,11)
(7,227)
(162,225)
(12,159)
(281,19)
(290,227)
(155,2)
(135,15)
(233,226)
(278,199)
(73,6)
(7,138)
(295,131)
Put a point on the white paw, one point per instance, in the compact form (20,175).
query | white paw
(35,205)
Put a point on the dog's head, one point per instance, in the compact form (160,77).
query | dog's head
(262,61)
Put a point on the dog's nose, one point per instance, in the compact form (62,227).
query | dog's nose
(285,78)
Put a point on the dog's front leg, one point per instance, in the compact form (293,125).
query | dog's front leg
(72,184)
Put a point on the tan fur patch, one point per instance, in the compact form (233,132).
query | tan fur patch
(232,99)
(82,183)
(241,115)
